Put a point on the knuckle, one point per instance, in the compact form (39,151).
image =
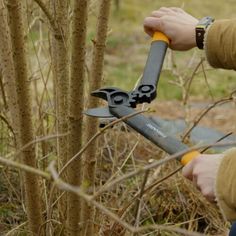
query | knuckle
(154,12)
(197,161)
(162,8)
(206,192)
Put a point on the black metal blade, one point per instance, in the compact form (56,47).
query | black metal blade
(102,112)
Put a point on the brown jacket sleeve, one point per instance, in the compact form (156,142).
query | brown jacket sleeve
(220,44)
(226,185)
(220,49)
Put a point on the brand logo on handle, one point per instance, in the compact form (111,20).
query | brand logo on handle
(150,126)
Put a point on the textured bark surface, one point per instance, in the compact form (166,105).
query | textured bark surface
(60,60)
(8,73)
(92,123)
(2,91)
(33,201)
(76,104)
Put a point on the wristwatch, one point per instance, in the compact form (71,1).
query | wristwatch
(201,29)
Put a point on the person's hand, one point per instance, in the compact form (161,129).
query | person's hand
(202,171)
(176,24)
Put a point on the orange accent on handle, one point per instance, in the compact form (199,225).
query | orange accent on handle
(159,36)
(189,157)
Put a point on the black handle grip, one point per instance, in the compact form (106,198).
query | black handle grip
(154,63)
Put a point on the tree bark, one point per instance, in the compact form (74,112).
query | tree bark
(8,74)
(4,100)
(32,190)
(88,211)
(60,60)
(76,105)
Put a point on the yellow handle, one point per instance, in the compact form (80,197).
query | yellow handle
(189,157)
(159,36)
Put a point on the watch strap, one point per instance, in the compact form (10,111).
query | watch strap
(201,29)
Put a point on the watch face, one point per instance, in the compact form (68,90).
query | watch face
(205,21)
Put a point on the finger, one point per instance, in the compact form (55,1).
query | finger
(149,31)
(158,14)
(165,9)
(162,12)
(177,9)
(208,193)
(187,171)
(152,23)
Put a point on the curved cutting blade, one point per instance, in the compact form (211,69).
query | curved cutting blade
(102,112)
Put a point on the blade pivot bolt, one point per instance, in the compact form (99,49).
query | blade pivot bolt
(145,89)
(118,99)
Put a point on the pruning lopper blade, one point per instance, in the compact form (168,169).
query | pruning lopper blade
(100,112)
(121,103)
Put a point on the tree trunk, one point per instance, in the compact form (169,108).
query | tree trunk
(91,123)
(76,105)
(60,44)
(8,74)
(32,191)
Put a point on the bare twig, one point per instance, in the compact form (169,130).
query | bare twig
(137,210)
(188,82)
(9,233)
(41,139)
(48,14)
(208,86)
(204,112)
(7,123)
(26,168)
(4,98)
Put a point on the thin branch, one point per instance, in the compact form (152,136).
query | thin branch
(7,123)
(205,78)
(188,82)
(26,168)
(4,98)
(9,233)
(204,112)
(41,139)
(137,210)
(48,14)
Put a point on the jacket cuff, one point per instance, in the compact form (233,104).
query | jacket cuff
(219,44)
(226,185)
